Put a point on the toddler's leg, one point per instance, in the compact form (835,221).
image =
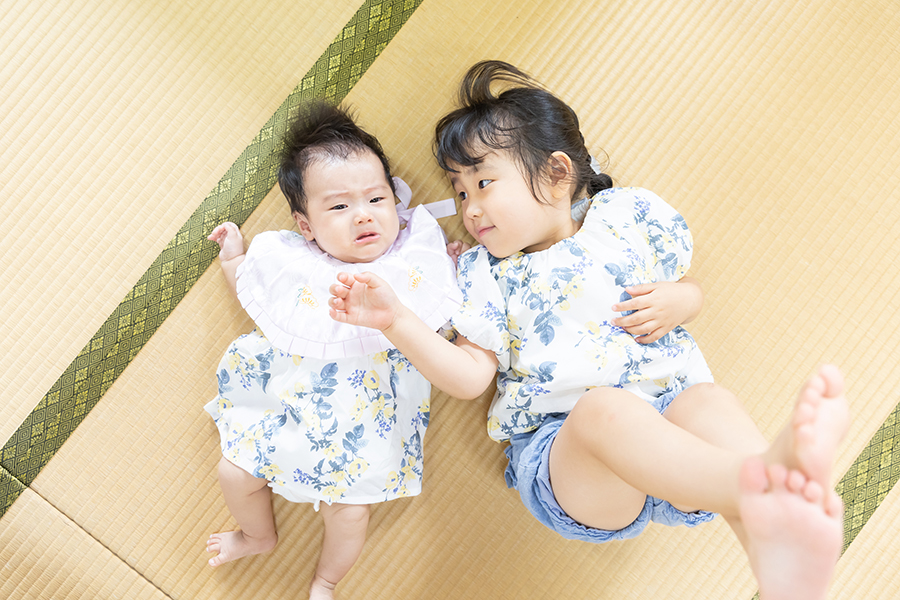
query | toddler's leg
(250,501)
(345,535)
(795,531)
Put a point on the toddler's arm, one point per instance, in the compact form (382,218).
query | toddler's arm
(231,251)
(365,299)
(660,307)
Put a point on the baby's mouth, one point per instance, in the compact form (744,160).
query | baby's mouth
(367,237)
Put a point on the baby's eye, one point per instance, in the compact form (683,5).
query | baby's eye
(338,207)
(462,196)
(483,183)
(376,199)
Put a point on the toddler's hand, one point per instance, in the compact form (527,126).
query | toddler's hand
(230,240)
(457,248)
(364,299)
(660,307)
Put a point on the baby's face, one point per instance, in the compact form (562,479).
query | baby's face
(350,209)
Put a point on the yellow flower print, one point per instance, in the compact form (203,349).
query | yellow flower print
(380,358)
(378,405)
(299,388)
(371,380)
(415,278)
(592,328)
(305,297)
(564,305)
(297,359)
(358,407)
(357,467)
(332,450)
(493,424)
(338,476)
(223,404)
(662,383)
(388,411)
(334,492)
(312,419)
(233,361)
(425,406)
(574,288)
(392,480)
(270,471)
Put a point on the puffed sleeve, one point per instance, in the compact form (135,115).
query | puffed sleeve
(650,233)
(482,316)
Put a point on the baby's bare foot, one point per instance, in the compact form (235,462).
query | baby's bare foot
(818,424)
(321,589)
(794,528)
(231,545)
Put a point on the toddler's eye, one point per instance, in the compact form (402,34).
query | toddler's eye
(338,207)
(483,183)
(461,196)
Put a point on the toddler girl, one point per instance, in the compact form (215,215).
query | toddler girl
(613,421)
(312,409)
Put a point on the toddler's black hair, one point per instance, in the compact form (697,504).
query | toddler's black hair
(525,120)
(321,131)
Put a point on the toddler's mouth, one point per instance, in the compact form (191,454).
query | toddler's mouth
(368,237)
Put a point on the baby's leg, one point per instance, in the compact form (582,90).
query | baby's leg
(250,501)
(345,535)
(795,531)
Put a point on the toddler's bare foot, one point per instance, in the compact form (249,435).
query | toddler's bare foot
(321,589)
(809,441)
(232,545)
(794,530)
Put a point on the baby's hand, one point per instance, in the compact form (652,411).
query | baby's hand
(457,248)
(364,299)
(660,308)
(230,240)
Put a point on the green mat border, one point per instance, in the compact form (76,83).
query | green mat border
(189,253)
(863,488)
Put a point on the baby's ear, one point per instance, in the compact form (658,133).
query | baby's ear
(561,172)
(304,225)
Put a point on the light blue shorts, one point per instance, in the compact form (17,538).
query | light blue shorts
(529,473)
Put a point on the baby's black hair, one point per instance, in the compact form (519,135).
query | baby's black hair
(321,131)
(525,120)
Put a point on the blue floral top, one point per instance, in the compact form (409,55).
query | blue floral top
(547,314)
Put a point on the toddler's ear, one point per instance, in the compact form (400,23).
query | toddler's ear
(561,172)
(304,225)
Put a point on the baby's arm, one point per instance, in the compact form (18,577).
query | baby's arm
(660,307)
(365,299)
(231,251)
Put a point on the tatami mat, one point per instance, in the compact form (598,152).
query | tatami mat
(772,127)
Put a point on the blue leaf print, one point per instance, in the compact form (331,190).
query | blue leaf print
(615,271)
(224,378)
(545,371)
(295,415)
(329,370)
(543,325)
(353,441)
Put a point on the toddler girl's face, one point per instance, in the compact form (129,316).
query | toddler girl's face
(501,212)
(350,209)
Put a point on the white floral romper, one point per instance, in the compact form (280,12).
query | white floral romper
(323,410)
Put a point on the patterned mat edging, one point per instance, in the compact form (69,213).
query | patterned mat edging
(188,254)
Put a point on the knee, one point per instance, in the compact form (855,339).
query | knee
(352,516)
(599,408)
(710,393)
